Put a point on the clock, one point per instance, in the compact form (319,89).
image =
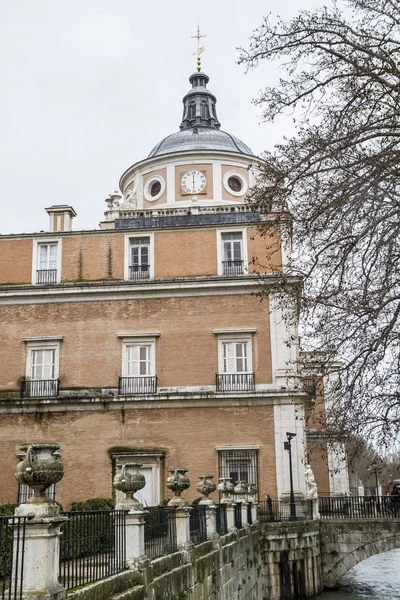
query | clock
(193,182)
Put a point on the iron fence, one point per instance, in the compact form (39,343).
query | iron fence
(92,546)
(359,507)
(281,510)
(129,386)
(139,272)
(222,524)
(249,514)
(238,515)
(160,531)
(198,524)
(12,551)
(40,388)
(46,276)
(235,382)
(232,267)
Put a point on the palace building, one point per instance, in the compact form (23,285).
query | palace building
(147,340)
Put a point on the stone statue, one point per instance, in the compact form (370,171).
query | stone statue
(312,492)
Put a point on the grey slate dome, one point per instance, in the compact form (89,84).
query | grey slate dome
(200,128)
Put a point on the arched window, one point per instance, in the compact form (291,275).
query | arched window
(192,111)
(204,110)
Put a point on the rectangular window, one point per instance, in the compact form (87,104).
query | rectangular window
(46,261)
(235,357)
(43,364)
(42,367)
(239,465)
(138,361)
(139,257)
(139,264)
(47,264)
(232,255)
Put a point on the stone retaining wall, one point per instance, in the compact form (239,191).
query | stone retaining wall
(267,562)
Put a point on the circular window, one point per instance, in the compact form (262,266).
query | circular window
(155,189)
(235,184)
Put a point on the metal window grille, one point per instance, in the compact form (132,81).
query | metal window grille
(238,515)
(128,386)
(235,382)
(25,492)
(222,524)
(139,272)
(160,531)
(46,276)
(232,267)
(40,388)
(92,546)
(12,553)
(240,465)
(198,527)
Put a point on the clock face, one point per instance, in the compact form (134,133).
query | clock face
(193,182)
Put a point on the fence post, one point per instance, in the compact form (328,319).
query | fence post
(41,466)
(230,516)
(134,536)
(211,520)
(244,513)
(182,515)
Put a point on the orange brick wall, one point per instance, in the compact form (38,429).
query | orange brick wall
(318,457)
(90,356)
(16,261)
(188,436)
(100,256)
(317,417)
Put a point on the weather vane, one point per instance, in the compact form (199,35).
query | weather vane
(200,49)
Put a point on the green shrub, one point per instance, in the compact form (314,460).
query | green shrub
(93,504)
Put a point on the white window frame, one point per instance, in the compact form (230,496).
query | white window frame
(35,256)
(138,339)
(242,179)
(149,183)
(127,253)
(235,338)
(43,343)
(224,460)
(220,256)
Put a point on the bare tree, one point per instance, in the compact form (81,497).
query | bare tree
(339,174)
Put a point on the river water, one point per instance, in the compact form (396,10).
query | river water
(377,578)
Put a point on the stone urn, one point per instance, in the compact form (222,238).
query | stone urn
(129,480)
(226,487)
(240,490)
(206,486)
(39,468)
(251,491)
(177,483)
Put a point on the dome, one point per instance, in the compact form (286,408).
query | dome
(200,138)
(200,128)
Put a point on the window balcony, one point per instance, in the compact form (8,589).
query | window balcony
(130,386)
(139,272)
(40,388)
(235,382)
(232,267)
(46,276)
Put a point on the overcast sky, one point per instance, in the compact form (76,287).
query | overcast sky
(90,86)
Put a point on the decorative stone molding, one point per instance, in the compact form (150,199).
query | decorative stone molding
(129,480)
(206,487)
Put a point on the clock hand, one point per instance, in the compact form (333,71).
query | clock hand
(193,181)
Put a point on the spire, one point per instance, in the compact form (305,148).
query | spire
(199,104)
(200,49)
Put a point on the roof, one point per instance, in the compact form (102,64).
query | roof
(200,138)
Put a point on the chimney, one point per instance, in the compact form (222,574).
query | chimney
(61,216)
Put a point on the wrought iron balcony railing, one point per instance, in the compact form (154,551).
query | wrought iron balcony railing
(235,382)
(129,386)
(46,276)
(40,388)
(232,267)
(139,272)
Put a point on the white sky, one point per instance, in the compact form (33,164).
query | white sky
(90,86)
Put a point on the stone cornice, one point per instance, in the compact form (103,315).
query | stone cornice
(117,290)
